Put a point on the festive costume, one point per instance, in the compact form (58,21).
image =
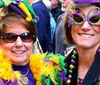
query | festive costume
(22,8)
(43,69)
(48,69)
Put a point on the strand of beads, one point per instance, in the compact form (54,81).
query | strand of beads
(71,67)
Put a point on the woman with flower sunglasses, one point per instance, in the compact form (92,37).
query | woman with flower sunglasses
(82,27)
(81,62)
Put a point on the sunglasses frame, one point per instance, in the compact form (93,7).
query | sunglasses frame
(5,35)
(87,18)
(79,12)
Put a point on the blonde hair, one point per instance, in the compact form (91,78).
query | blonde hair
(67,28)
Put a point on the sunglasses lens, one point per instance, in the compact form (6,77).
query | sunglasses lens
(27,37)
(95,20)
(9,37)
(78,19)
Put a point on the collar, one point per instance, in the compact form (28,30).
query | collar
(35,2)
(48,4)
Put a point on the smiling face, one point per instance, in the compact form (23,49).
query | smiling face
(86,35)
(18,52)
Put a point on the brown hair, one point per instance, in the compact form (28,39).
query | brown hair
(12,18)
(67,29)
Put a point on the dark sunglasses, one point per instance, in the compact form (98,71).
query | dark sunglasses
(79,19)
(11,37)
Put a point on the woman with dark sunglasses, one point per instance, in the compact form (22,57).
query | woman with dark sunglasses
(17,38)
(82,27)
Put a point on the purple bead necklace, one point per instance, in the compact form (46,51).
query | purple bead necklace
(71,68)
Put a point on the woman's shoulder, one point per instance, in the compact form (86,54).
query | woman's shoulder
(69,50)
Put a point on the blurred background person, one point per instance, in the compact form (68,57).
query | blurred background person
(51,4)
(56,11)
(43,25)
(58,45)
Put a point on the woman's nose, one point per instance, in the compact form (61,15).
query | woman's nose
(18,42)
(86,25)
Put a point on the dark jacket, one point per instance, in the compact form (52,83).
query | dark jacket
(93,74)
(43,25)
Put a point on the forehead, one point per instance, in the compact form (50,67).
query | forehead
(15,28)
(84,9)
(89,10)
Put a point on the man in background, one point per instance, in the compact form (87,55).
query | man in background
(43,25)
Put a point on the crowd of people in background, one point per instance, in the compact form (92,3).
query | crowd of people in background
(50,14)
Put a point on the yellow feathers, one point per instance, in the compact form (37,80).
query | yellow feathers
(41,65)
(6,71)
(36,64)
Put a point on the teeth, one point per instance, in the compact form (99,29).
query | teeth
(18,52)
(85,35)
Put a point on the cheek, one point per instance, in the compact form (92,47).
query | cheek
(29,48)
(72,33)
(74,29)
(97,29)
(6,49)
(6,46)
